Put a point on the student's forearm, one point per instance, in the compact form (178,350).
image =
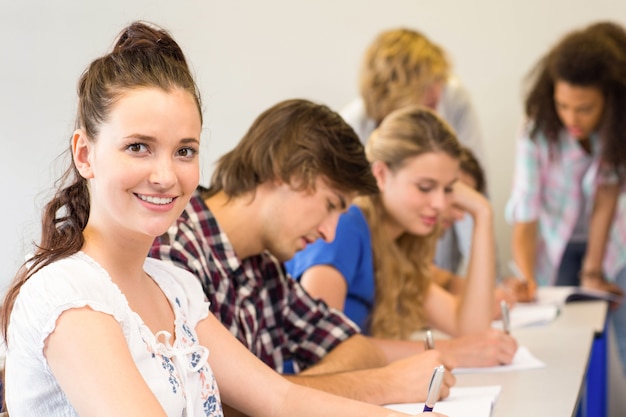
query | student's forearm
(334,375)
(402,381)
(356,385)
(475,304)
(600,223)
(398,349)
(357,352)
(370,387)
(267,393)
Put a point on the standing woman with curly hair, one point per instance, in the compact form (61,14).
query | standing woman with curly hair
(567,205)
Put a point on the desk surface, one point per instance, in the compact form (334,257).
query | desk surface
(565,346)
(582,313)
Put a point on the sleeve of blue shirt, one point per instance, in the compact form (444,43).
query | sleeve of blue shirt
(351,254)
(343,253)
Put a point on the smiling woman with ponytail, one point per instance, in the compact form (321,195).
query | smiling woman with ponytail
(92,326)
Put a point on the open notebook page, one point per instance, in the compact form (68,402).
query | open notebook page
(462,401)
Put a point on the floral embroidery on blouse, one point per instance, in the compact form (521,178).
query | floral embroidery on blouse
(187,358)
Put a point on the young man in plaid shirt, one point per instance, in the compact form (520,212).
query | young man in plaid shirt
(282,187)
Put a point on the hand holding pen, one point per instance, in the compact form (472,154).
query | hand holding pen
(433,388)
(525,289)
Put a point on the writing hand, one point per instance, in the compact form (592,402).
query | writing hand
(489,348)
(410,377)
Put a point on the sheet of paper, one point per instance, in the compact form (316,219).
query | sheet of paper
(553,295)
(547,306)
(462,401)
(529,314)
(522,360)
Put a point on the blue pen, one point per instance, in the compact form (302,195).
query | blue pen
(433,388)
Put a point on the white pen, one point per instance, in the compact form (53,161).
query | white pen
(433,388)
(429,343)
(506,324)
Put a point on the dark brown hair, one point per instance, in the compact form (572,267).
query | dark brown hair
(143,56)
(471,166)
(592,57)
(295,141)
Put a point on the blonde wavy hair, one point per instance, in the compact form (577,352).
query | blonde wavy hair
(402,266)
(397,69)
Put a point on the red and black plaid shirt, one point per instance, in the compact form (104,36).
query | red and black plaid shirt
(255,299)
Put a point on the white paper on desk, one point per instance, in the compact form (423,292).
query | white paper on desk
(522,360)
(529,314)
(553,295)
(462,401)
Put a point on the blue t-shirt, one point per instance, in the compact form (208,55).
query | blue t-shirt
(351,254)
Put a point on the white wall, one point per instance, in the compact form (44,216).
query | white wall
(249,54)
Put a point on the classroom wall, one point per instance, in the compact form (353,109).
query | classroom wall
(247,55)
